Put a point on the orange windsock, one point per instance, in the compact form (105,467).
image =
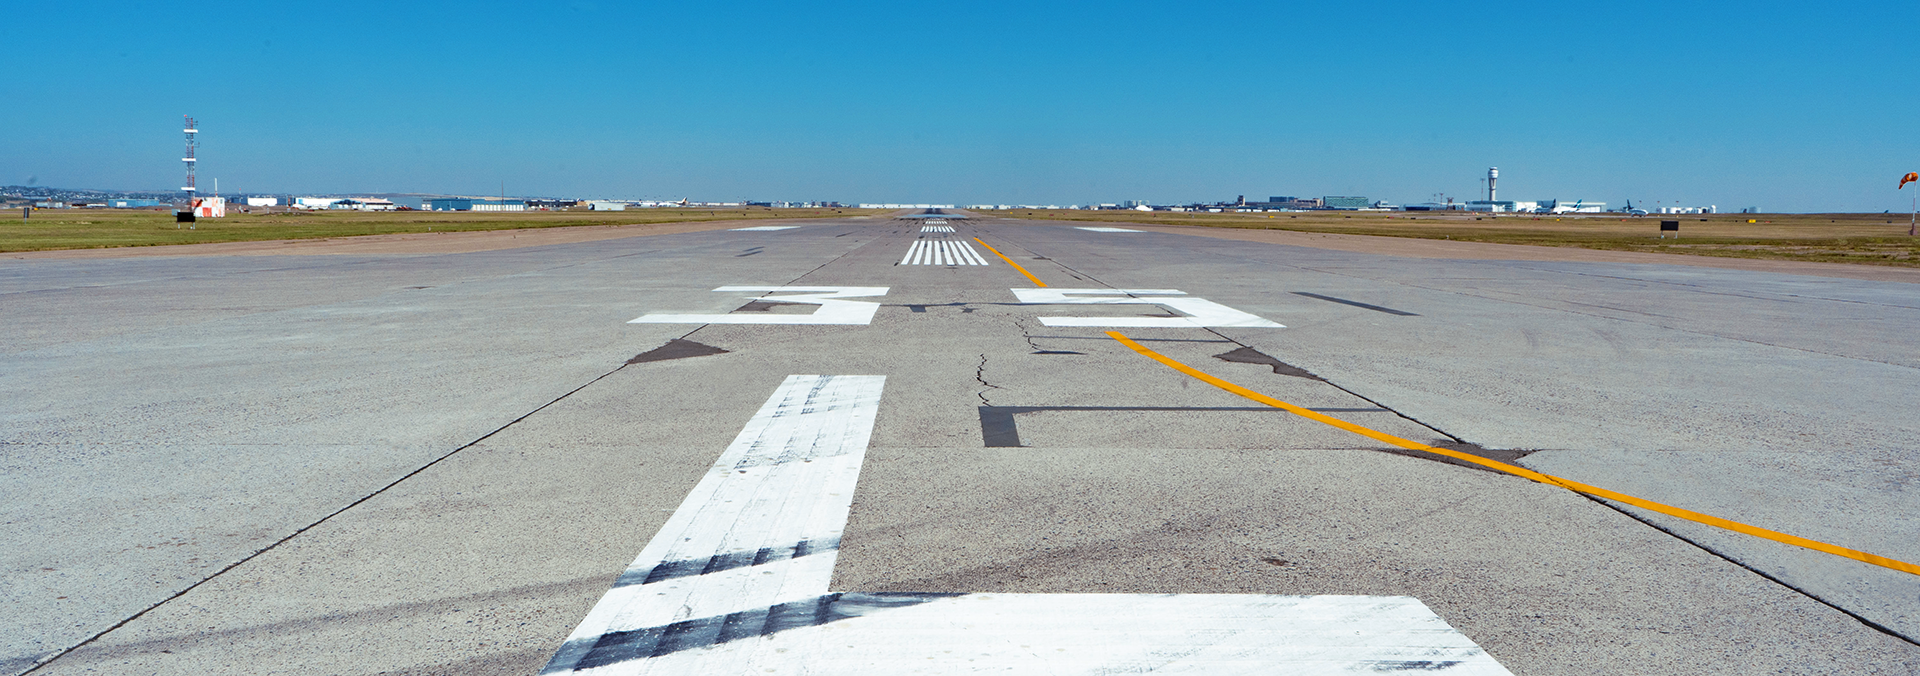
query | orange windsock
(1909,178)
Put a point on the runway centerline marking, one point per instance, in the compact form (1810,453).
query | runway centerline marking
(1202,313)
(833,309)
(736,583)
(764,228)
(1095,229)
(1519,471)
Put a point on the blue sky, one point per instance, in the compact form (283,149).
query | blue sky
(1785,106)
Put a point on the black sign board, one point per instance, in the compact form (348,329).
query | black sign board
(1669,226)
(187,217)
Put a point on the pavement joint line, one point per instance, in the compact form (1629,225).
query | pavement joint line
(1523,472)
(1036,280)
(50,659)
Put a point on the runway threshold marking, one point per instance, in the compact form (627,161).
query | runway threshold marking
(737,580)
(941,252)
(1519,471)
(1036,280)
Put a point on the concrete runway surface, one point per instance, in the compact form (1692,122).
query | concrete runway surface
(421,463)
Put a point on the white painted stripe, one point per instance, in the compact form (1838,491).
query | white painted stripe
(787,478)
(936,228)
(942,252)
(1105,229)
(1099,634)
(975,255)
(765,228)
(1200,311)
(833,310)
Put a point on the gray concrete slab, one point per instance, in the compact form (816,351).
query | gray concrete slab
(1734,393)
(444,480)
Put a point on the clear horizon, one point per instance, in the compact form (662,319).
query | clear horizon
(1784,107)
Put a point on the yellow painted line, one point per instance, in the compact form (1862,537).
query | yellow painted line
(1016,266)
(1517,470)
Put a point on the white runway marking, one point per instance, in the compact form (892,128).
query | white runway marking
(832,310)
(936,228)
(762,528)
(1203,312)
(1105,229)
(736,583)
(941,252)
(765,228)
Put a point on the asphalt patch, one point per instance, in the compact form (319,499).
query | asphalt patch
(677,348)
(1511,457)
(1248,355)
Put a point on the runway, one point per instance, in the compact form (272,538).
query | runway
(476,462)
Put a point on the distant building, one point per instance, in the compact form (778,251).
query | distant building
(603,205)
(1282,202)
(263,201)
(499,205)
(450,204)
(1345,202)
(130,203)
(1537,207)
(363,204)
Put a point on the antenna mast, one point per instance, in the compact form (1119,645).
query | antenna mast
(190,159)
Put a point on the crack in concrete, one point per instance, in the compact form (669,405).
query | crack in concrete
(1027,335)
(980,374)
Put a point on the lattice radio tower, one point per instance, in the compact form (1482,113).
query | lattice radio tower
(190,159)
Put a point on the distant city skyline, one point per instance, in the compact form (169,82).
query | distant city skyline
(1787,107)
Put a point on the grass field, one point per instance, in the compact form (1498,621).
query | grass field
(49,229)
(1875,239)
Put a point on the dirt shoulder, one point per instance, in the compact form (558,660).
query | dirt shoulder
(405,244)
(1434,248)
